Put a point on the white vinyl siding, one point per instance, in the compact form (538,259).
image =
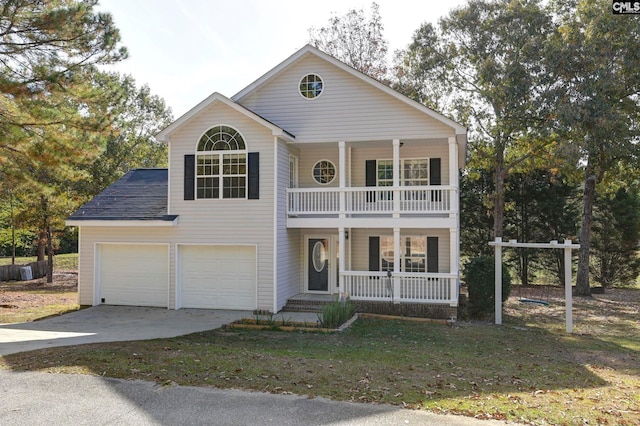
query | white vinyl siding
(289,251)
(214,222)
(349,108)
(227,221)
(309,156)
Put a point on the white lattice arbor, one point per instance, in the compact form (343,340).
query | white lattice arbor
(567,247)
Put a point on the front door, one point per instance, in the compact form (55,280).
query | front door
(318,265)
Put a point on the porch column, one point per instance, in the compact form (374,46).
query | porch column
(454,264)
(396,178)
(342,177)
(453,176)
(341,260)
(396,265)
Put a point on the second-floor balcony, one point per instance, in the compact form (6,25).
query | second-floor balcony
(433,200)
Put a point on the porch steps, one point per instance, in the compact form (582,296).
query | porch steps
(308,302)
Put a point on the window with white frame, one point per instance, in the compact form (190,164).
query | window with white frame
(221,164)
(324,172)
(413,254)
(414,172)
(311,86)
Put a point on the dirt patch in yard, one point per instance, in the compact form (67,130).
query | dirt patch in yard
(591,314)
(31,300)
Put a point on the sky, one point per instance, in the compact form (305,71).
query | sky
(185,50)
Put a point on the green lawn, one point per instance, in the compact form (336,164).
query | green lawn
(62,262)
(527,370)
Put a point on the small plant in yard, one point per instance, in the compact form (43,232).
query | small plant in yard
(285,321)
(335,314)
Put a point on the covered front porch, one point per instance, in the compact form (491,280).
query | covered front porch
(382,265)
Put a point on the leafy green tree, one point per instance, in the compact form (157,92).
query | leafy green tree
(14,241)
(52,112)
(542,207)
(476,212)
(592,64)
(136,116)
(48,50)
(483,65)
(356,40)
(616,232)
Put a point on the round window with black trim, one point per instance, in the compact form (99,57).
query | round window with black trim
(324,172)
(311,86)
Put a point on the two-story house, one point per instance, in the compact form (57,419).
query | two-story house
(313,179)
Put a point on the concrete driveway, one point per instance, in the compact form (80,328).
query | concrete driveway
(117,323)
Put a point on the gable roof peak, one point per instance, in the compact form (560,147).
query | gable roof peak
(163,136)
(309,49)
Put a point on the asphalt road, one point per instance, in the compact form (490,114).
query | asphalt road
(30,398)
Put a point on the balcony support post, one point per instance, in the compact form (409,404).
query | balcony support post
(342,177)
(454,266)
(396,265)
(341,260)
(396,178)
(453,175)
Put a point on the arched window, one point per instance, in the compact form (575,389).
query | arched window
(221,164)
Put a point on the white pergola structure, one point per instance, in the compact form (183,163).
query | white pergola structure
(567,247)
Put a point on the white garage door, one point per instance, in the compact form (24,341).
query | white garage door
(133,274)
(218,277)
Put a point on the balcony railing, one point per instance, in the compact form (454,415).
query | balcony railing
(371,200)
(437,288)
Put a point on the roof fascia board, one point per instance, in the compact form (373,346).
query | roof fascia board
(121,223)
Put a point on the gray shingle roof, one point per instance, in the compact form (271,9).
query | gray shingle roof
(140,194)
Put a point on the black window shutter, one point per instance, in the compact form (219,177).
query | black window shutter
(435,175)
(189,176)
(372,172)
(374,253)
(371,179)
(253,192)
(432,254)
(435,178)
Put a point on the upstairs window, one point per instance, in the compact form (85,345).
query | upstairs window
(414,172)
(311,86)
(221,164)
(324,172)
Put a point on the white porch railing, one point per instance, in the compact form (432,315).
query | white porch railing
(389,200)
(440,288)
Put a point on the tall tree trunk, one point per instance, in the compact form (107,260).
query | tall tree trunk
(42,244)
(44,224)
(582,281)
(49,256)
(13,231)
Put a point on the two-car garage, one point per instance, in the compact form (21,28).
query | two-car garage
(207,276)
